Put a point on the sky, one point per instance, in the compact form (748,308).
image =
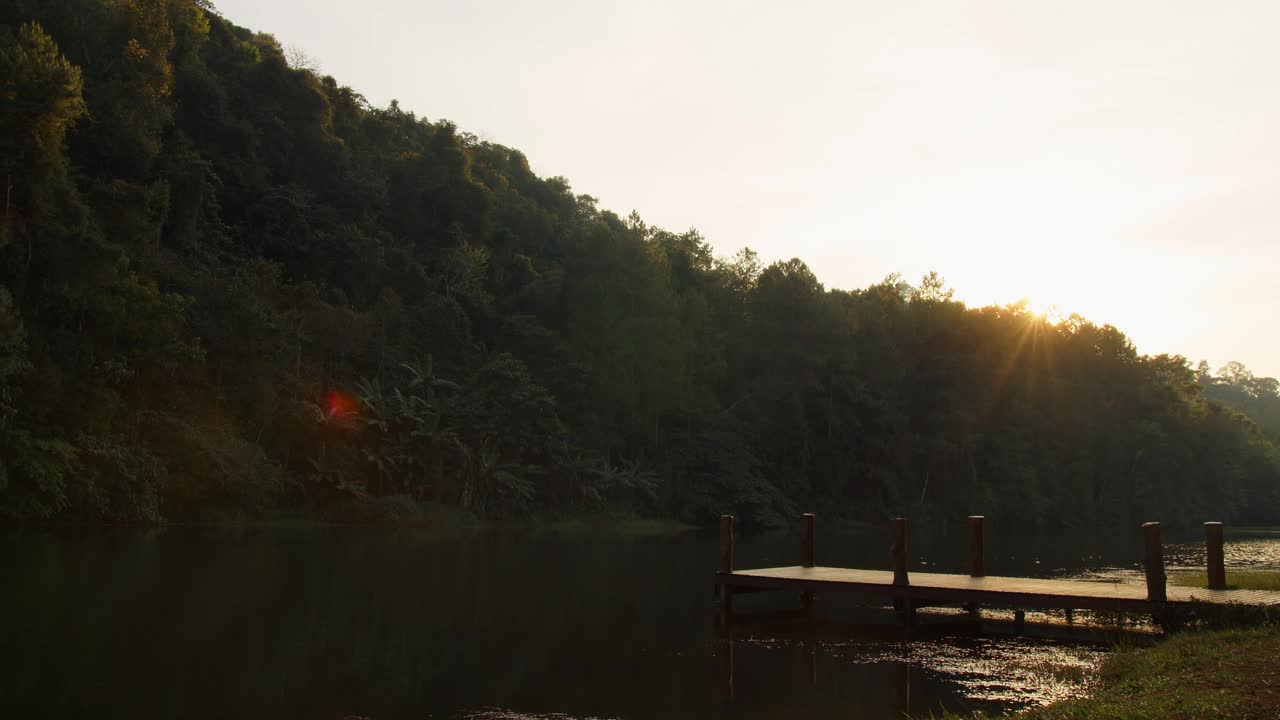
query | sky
(1118,159)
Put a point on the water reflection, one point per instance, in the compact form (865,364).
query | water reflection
(342,623)
(947,649)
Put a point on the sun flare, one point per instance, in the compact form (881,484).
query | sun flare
(1048,310)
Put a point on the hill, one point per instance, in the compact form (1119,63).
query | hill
(229,284)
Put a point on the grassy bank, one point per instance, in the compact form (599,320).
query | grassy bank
(1243,580)
(1193,676)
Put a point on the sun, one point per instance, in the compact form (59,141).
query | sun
(1045,309)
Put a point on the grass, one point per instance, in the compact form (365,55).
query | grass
(1241,580)
(1191,676)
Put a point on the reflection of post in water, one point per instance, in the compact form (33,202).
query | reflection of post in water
(904,689)
(726,664)
(811,659)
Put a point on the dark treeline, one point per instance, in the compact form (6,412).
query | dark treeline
(229,284)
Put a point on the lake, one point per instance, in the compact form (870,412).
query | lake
(342,622)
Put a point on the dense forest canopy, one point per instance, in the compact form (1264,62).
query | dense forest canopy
(231,285)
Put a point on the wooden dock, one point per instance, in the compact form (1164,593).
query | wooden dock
(1011,592)
(909,590)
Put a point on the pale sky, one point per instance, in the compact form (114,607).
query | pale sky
(1116,159)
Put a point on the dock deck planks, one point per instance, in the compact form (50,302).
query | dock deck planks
(988,590)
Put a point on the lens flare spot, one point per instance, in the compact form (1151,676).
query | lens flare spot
(340,404)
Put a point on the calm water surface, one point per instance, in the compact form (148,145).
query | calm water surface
(339,623)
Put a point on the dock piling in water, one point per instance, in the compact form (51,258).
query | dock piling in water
(900,552)
(977,568)
(1154,562)
(726,543)
(808,557)
(1214,562)
(726,560)
(808,542)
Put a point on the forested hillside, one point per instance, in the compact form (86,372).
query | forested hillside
(1236,386)
(228,284)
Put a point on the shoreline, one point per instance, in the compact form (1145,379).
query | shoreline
(1190,676)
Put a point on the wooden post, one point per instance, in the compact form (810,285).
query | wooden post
(1215,565)
(808,557)
(900,552)
(977,569)
(726,562)
(726,543)
(1019,621)
(1154,562)
(809,551)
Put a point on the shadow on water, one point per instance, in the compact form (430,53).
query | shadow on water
(336,623)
